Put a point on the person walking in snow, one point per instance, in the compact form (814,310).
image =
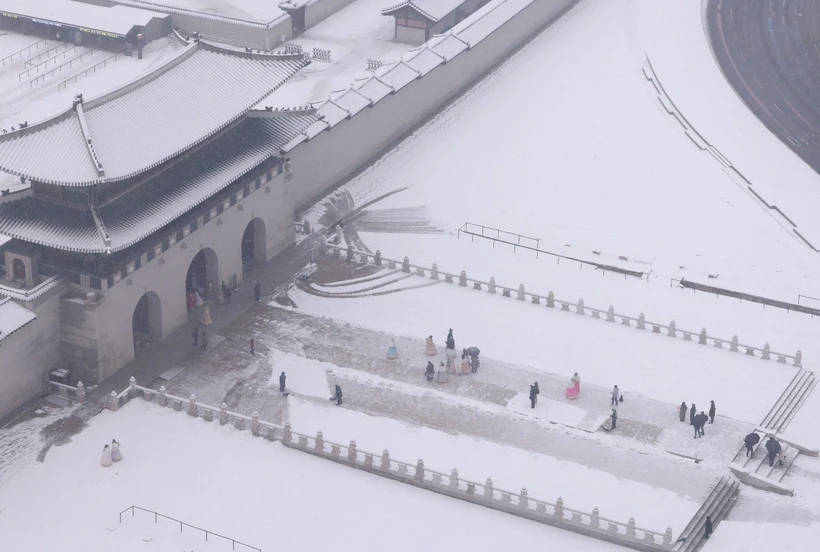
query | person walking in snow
(392,351)
(614,419)
(429,346)
(473,353)
(450,342)
(533,395)
(106,457)
(773,448)
(116,455)
(707,528)
(430,372)
(683,409)
(252,351)
(692,412)
(282,378)
(616,393)
(537,391)
(700,421)
(257,292)
(204,346)
(338,395)
(195,335)
(750,441)
(711,412)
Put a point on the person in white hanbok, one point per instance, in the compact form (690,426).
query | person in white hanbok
(441,374)
(116,455)
(106,456)
(430,347)
(206,316)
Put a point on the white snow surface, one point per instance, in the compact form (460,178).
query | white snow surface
(254,491)
(302,375)
(251,10)
(782,537)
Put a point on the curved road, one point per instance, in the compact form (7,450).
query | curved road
(769,52)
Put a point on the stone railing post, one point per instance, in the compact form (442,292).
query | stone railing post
(462,278)
(434,272)
(132,387)
(579,308)
(594,519)
(287,435)
(551,300)
(162,399)
(610,314)
(80,391)
(524,499)
(667,539)
(419,476)
(378,257)
(349,253)
(113,402)
(192,405)
(491,285)
(798,359)
(702,337)
(630,528)
(672,331)
(766,351)
(733,344)
(558,515)
(454,479)
(255,424)
(520,295)
(320,443)
(488,489)
(405,265)
(351,451)
(337,239)
(385,465)
(223,414)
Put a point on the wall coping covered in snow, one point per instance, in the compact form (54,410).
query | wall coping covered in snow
(671,330)
(29,295)
(520,504)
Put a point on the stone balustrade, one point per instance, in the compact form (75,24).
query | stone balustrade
(70,392)
(579,307)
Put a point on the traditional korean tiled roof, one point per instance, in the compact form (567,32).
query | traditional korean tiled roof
(146,123)
(114,19)
(434,10)
(170,194)
(13,317)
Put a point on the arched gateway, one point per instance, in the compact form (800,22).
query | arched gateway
(146,322)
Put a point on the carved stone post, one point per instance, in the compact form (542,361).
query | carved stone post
(641,322)
(385,466)
(733,344)
(488,489)
(454,479)
(667,539)
(255,424)
(524,499)
(551,300)
(113,402)
(593,519)
(798,360)
(419,476)
(462,278)
(81,391)
(192,405)
(702,337)
(491,285)
(320,443)
(520,295)
(162,400)
(630,528)
(349,252)
(378,258)
(351,451)
(337,239)
(579,309)
(405,265)
(610,314)
(132,387)
(559,509)
(766,351)
(287,435)
(671,332)
(434,272)
(223,414)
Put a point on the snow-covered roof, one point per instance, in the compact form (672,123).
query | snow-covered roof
(147,122)
(164,198)
(434,10)
(13,317)
(115,19)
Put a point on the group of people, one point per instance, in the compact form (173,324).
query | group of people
(774,451)
(469,359)
(111,453)
(698,421)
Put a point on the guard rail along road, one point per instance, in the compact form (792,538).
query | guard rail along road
(579,307)
(485,494)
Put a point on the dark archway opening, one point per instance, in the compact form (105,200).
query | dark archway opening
(203,276)
(146,323)
(254,245)
(18,270)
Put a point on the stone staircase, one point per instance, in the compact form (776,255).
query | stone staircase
(754,469)
(383,282)
(717,504)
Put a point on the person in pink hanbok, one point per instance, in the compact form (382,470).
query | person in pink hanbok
(574,388)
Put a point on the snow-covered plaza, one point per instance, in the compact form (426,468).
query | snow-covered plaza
(570,147)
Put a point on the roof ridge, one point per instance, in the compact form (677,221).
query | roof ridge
(78,107)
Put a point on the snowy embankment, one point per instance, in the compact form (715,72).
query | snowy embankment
(236,485)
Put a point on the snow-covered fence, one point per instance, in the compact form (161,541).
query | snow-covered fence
(579,307)
(486,494)
(70,392)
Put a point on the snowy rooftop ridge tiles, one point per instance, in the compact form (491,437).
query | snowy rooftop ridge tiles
(392,77)
(149,121)
(434,10)
(13,317)
(114,19)
(200,14)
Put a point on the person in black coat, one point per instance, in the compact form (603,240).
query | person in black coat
(707,528)
(430,372)
(533,395)
(683,409)
(537,391)
(614,419)
(282,382)
(450,342)
(692,412)
(773,448)
(338,395)
(701,420)
(711,412)
(751,440)
(257,292)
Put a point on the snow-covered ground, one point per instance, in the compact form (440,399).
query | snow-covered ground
(353,35)
(252,10)
(21,101)
(255,491)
